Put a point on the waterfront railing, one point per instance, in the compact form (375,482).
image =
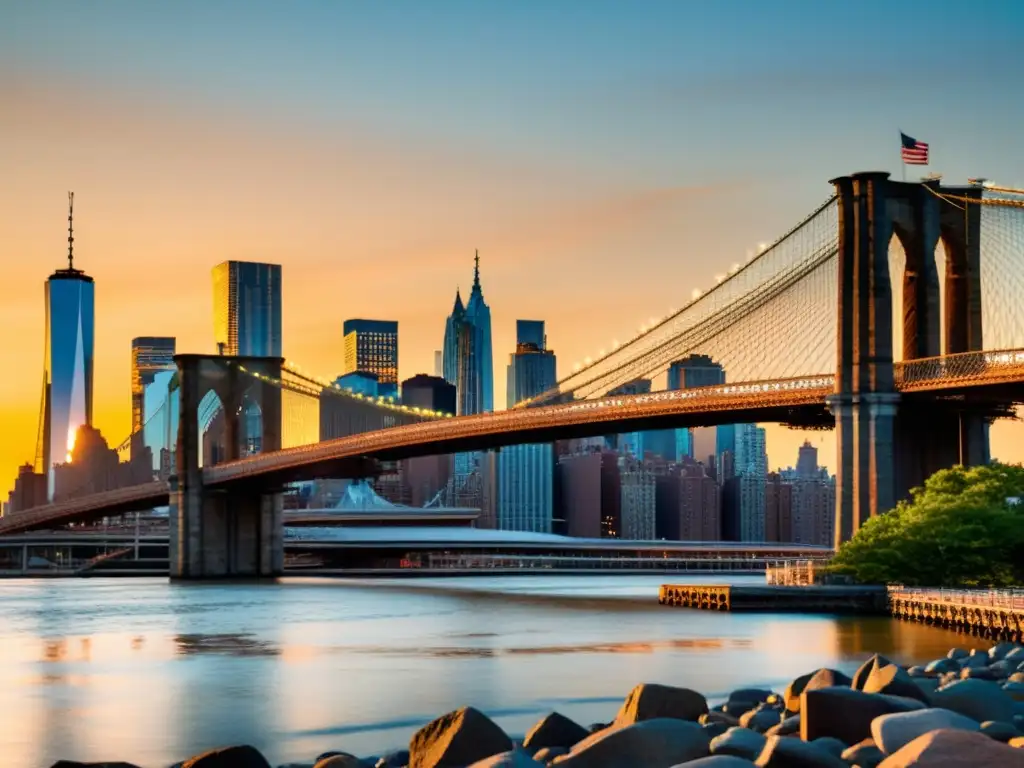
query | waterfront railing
(1012,599)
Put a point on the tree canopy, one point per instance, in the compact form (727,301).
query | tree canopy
(964,528)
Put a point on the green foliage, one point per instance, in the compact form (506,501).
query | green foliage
(958,530)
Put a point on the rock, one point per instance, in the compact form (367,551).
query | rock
(738,708)
(515,758)
(1001,650)
(1000,731)
(716,761)
(1017,743)
(780,752)
(941,666)
(979,699)
(975,661)
(242,756)
(1017,654)
(917,671)
(329,753)
(554,730)
(458,738)
(75,764)
(761,720)
(864,670)
(979,673)
(714,730)
(739,742)
(893,681)
(399,758)
(1015,677)
(718,717)
(819,678)
(1003,668)
(891,732)
(828,744)
(928,685)
(652,701)
(845,713)
(957,653)
(652,743)
(595,727)
(343,760)
(865,754)
(954,749)
(754,695)
(787,727)
(547,754)
(1015,690)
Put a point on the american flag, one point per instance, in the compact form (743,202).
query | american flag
(914,152)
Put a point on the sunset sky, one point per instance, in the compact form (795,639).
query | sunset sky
(605,157)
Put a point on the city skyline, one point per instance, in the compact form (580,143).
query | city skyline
(572,211)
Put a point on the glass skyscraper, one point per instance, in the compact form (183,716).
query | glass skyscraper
(526,472)
(67,363)
(247,308)
(468,362)
(150,356)
(371,346)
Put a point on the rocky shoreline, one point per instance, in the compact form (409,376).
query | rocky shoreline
(966,709)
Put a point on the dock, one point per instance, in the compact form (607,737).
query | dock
(755,597)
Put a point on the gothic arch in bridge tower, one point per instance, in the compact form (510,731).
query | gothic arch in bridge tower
(217,534)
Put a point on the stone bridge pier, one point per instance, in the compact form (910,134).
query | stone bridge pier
(221,533)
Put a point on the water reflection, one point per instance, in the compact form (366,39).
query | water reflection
(149,672)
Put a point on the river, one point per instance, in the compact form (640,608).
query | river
(150,672)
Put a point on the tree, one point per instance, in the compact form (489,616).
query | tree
(964,528)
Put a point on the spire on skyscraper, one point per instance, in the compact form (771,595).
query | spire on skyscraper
(476,268)
(71,238)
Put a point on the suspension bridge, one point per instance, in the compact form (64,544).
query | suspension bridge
(805,331)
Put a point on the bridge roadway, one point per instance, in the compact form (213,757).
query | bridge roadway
(994,377)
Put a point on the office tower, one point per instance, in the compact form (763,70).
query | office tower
(247,308)
(371,346)
(150,356)
(467,359)
(526,472)
(699,371)
(29,490)
(359,383)
(630,442)
(813,513)
(637,491)
(688,504)
(425,476)
(439,363)
(67,362)
(156,414)
(778,509)
(748,496)
(590,495)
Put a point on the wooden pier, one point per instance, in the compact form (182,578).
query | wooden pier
(754,597)
(991,613)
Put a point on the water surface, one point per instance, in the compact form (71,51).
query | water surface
(151,672)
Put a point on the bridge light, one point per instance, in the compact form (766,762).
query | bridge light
(576,367)
(615,343)
(587,361)
(602,353)
(719,278)
(643,329)
(734,269)
(697,293)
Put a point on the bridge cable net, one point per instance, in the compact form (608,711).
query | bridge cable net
(314,409)
(773,318)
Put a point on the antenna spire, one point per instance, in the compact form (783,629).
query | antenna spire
(71,235)
(476,268)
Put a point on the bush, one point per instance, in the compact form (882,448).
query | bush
(962,529)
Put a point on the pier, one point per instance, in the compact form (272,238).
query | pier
(991,613)
(754,597)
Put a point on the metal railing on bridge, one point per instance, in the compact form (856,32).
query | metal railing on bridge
(949,371)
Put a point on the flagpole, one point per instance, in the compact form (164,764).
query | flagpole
(903,165)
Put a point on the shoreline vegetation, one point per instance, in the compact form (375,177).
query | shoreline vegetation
(966,708)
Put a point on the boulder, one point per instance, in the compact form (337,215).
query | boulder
(651,701)
(754,695)
(954,749)
(739,742)
(1017,743)
(941,666)
(75,764)
(780,752)
(864,754)
(458,738)
(399,758)
(819,678)
(652,743)
(516,758)
(845,713)
(788,727)
(1003,668)
(1015,677)
(1000,731)
(1000,651)
(828,744)
(243,756)
(547,754)
(595,727)
(957,653)
(1016,655)
(975,661)
(979,673)
(893,681)
(716,761)
(864,670)
(738,708)
(891,732)
(980,699)
(761,720)
(714,730)
(554,730)
(1015,691)
(718,717)
(343,760)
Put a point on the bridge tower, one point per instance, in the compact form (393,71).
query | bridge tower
(886,447)
(214,534)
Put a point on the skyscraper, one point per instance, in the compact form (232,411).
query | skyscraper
(468,362)
(150,356)
(699,371)
(371,346)
(67,361)
(526,472)
(247,308)
(751,468)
